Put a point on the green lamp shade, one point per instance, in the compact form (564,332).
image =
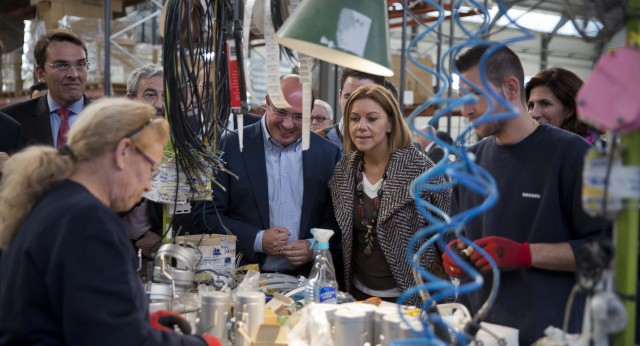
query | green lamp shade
(349,33)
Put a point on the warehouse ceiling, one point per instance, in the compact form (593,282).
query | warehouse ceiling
(14,12)
(12,15)
(593,20)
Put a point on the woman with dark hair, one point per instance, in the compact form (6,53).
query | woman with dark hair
(372,199)
(551,99)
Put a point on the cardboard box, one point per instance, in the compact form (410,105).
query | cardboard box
(215,252)
(415,79)
(270,333)
(51,11)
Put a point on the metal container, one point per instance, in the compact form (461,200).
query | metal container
(214,313)
(350,328)
(250,310)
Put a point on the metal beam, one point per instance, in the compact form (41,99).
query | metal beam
(544,50)
(403,55)
(110,41)
(563,20)
(627,224)
(107,48)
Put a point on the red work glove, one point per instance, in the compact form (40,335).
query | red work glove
(451,266)
(167,321)
(211,340)
(507,254)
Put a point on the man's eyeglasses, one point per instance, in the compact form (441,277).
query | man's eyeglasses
(154,165)
(318,118)
(282,114)
(64,67)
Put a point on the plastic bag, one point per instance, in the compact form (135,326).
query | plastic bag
(311,327)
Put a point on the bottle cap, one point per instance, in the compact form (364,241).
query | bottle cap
(321,237)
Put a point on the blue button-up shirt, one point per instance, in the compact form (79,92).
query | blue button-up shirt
(55,119)
(285,184)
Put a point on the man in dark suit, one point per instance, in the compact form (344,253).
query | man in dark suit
(10,131)
(281,191)
(61,62)
(144,222)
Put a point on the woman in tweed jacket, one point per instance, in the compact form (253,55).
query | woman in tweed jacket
(374,208)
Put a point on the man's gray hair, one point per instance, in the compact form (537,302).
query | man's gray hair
(143,72)
(326,106)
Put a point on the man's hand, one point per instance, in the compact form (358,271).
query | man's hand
(274,239)
(451,266)
(507,254)
(298,252)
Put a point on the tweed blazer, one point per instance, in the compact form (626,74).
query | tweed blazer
(398,216)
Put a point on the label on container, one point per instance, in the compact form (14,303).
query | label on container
(327,295)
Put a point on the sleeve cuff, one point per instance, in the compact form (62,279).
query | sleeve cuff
(257,244)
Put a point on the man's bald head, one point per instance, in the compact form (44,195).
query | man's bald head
(285,124)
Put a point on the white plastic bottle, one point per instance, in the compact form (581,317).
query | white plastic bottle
(322,287)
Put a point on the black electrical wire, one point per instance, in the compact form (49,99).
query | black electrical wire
(196,85)
(277,21)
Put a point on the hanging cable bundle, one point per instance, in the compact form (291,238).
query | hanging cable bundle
(196,83)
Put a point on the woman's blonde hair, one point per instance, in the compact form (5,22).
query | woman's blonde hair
(400,135)
(98,130)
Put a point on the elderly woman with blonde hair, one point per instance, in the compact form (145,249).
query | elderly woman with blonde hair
(373,204)
(68,270)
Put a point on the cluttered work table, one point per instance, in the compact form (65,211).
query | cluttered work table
(196,277)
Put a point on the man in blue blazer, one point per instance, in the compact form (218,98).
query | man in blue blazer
(281,191)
